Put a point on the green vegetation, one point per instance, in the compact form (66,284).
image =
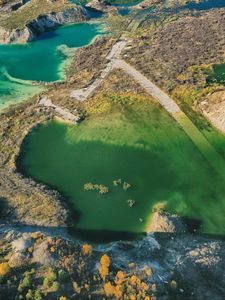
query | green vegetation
(50,281)
(102,189)
(188,96)
(117,182)
(26,286)
(62,275)
(131,202)
(117,24)
(126,186)
(26,282)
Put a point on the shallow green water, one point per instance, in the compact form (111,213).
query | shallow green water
(41,60)
(141,145)
(218,74)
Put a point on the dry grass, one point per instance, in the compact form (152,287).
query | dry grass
(33,9)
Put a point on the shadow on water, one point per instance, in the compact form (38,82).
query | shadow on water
(104,236)
(101,236)
(93,13)
(6,211)
(83,235)
(48,35)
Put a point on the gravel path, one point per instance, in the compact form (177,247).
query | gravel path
(168,103)
(63,112)
(85,93)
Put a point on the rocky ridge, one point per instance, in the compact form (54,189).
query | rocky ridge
(42,23)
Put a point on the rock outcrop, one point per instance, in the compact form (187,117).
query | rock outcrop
(164,222)
(16,35)
(42,24)
(213,107)
(103,7)
(180,266)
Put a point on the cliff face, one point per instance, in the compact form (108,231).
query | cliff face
(15,36)
(41,24)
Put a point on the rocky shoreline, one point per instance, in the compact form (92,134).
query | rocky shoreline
(36,249)
(170,265)
(32,28)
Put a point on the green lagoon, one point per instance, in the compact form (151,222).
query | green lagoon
(41,60)
(133,140)
(123,139)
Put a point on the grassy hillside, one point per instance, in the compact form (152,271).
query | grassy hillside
(32,10)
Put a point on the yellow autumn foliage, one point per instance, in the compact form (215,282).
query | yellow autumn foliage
(86,249)
(104,266)
(109,289)
(4,269)
(105,260)
(119,277)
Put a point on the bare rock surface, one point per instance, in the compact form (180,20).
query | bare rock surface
(213,108)
(164,222)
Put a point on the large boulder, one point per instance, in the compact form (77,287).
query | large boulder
(213,107)
(165,222)
(42,254)
(19,36)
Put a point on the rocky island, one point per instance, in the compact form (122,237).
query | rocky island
(112,150)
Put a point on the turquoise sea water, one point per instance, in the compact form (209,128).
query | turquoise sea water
(40,60)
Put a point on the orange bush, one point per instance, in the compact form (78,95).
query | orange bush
(118,292)
(109,289)
(76,287)
(87,249)
(134,280)
(4,269)
(105,260)
(103,271)
(104,266)
(119,277)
